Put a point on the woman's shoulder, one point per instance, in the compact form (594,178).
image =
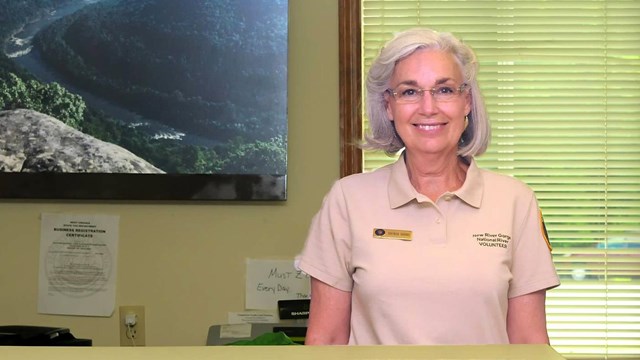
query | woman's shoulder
(504,183)
(363,183)
(375,177)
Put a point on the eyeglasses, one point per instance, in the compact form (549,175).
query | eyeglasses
(408,94)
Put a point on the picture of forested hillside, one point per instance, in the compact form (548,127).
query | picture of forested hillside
(191,87)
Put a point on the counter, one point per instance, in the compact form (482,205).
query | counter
(292,352)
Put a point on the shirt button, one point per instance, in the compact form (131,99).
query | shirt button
(447,197)
(437,220)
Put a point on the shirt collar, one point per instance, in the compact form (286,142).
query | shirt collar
(473,187)
(401,191)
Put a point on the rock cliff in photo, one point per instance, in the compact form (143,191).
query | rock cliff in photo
(35,142)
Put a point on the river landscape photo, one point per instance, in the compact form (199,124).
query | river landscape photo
(167,87)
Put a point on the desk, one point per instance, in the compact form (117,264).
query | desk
(290,352)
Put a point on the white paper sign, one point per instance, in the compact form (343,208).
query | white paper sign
(235,331)
(271,280)
(78,258)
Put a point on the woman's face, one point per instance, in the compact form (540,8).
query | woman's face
(429,125)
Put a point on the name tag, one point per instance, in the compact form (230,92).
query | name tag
(392,234)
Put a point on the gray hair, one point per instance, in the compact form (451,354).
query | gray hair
(382,134)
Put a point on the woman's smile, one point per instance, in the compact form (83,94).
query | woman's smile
(430,127)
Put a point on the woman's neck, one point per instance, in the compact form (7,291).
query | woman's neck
(434,175)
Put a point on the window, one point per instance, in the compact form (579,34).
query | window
(561,80)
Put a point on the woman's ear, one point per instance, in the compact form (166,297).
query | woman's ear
(467,103)
(387,106)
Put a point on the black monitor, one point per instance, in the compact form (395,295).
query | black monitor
(293,309)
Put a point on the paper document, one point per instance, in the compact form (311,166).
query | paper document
(252,317)
(78,258)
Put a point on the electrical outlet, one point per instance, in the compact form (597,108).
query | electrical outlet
(135,334)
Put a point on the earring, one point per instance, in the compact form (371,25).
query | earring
(466,121)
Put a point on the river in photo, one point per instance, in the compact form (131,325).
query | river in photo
(20,49)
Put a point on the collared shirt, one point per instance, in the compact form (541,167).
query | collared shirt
(429,272)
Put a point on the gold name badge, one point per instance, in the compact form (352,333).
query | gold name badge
(392,234)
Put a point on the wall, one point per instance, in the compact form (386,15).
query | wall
(185,262)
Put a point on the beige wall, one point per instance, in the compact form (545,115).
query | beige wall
(185,262)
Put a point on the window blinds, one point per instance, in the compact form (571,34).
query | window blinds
(561,80)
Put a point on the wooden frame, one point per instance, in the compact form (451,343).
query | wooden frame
(350,87)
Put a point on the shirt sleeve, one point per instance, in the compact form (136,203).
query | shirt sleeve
(326,255)
(532,267)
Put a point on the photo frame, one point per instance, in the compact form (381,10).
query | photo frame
(144,100)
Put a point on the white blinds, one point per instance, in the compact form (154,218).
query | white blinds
(561,80)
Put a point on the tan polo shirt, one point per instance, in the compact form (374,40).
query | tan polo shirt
(429,273)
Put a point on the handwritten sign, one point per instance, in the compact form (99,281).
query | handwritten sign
(271,280)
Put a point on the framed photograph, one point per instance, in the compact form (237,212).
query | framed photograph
(144,99)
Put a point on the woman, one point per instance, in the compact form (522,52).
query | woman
(430,249)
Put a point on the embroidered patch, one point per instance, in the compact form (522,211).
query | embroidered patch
(392,234)
(494,240)
(543,230)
